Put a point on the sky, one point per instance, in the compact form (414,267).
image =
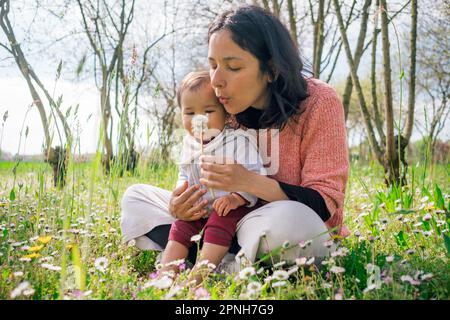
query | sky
(15,97)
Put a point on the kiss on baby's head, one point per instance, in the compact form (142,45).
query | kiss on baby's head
(195,96)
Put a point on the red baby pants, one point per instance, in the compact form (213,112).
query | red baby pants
(219,230)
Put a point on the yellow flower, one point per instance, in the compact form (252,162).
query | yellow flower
(69,246)
(35,248)
(32,256)
(44,239)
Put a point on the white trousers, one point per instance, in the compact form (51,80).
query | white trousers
(145,207)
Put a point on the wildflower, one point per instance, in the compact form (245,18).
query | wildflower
(292,270)
(131,243)
(44,239)
(389,258)
(211,266)
(426,276)
(35,248)
(202,294)
(424,199)
(427,233)
(108,245)
(246,273)
(25,259)
(176,262)
(19,290)
(336,269)
(370,288)
(162,283)
(300,261)
(32,256)
(18,274)
(199,125)
(410,251)
(254,286)
(28,292)
(328,243)
(173,292)
(280,275)
(338,296)
(279,264)
(426,217)
(196,238)
(260,270)
(409,279)
(50,267)
(327,285)
(279,284)
(101,264)
(310,261)
(203,263)
(304,244)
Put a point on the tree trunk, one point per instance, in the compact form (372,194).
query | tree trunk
(392,161)
(373,80)
(292,22)
(362,102)
(357,56)
(412,73)
(318,39)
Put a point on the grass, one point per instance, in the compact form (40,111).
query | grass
(66,244)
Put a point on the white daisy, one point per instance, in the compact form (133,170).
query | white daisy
(246,273)
(280,275)
(101,264)
(336,269)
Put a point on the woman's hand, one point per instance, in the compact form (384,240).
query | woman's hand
(230,177)
(186,204)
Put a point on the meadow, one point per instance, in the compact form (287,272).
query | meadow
(67,244)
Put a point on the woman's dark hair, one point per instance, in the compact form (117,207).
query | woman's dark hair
(262,34)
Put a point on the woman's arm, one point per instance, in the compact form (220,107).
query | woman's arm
(265,188)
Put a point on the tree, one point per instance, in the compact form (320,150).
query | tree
(433,59)
(57,156)
(106,27)
(388,151)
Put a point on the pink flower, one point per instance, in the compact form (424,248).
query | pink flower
(202,293)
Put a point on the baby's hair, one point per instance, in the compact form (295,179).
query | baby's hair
(192,82)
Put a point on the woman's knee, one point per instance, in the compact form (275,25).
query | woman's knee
(131,194)
(289,223)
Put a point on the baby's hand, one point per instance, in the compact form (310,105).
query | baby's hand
(227,203)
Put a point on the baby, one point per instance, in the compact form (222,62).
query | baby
(197,99)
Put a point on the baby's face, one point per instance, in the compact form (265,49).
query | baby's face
(203,101)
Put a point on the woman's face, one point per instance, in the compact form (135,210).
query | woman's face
(235,74)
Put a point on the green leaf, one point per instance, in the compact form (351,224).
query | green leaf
(438,197)
(402,74)
(447,243)
(12,195)
(402,239)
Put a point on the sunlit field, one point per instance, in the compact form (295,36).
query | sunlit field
(67,244)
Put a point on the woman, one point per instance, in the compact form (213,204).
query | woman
(255,71)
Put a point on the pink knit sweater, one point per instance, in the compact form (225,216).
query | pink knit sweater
(313,150)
